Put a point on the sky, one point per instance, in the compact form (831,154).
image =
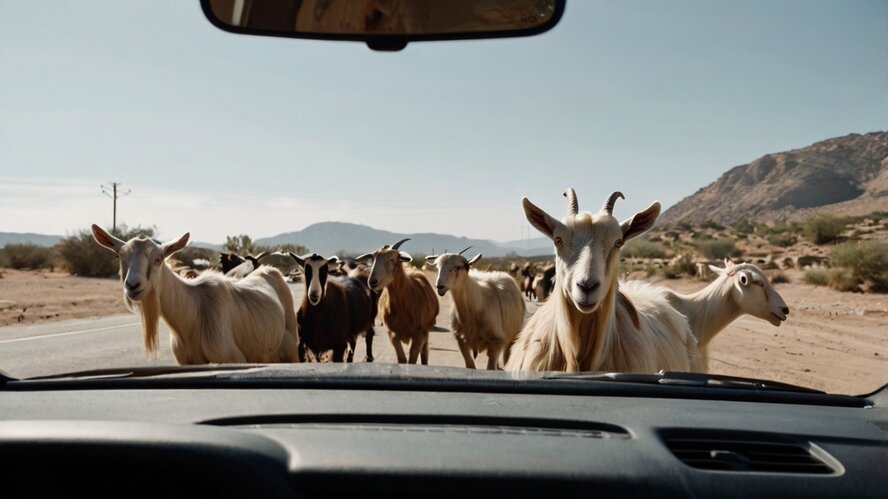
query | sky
(218,134)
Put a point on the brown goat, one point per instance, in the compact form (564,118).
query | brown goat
(334,312)
(407,302)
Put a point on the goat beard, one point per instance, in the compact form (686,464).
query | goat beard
(148,309)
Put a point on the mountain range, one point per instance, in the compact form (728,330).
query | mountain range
(843,176)
(328,238)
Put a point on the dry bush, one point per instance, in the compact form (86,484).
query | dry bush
(862,262)
(817,277)
(27,256)
(719,249)
(643,248)
(779,278)
(823,229)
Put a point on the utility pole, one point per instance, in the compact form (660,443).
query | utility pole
(113,193)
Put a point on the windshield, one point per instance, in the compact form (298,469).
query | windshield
(759,127)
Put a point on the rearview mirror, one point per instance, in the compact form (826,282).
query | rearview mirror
(385,24)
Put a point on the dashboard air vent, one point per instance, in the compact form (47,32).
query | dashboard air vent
(746,453)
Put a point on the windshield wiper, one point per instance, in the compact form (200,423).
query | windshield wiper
(677,378)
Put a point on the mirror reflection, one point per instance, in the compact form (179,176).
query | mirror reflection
(385,17)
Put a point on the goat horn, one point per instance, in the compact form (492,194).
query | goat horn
(463,251)
(609,205)
(572,204)
(399,243)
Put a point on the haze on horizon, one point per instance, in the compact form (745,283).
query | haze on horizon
(218,134)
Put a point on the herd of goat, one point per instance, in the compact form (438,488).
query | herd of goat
(589,319)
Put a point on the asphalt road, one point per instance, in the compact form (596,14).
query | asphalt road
(116,342)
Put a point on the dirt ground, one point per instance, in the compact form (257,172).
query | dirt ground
(833,341)
(29,296)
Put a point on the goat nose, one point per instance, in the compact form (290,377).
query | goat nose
(130,286)
(588,286)
(785,310)
(372,283)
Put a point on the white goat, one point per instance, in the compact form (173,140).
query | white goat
(739,289)
(212,318)
(588,324)
(488,307)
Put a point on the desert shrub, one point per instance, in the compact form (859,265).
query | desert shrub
(418,260)
(778,228)
(817,277)
(823,228)
(866,261)
(782,239)
(779,278)
(710,224)
(27,256)
(240,244)
(744,227)
(683,265)
(719,249)
(83,256)
(643,248)
(843,280)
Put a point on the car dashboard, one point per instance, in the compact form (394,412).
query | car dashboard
(188,437)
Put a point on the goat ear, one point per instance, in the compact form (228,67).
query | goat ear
(300,261)
(333,260)
(728,262)
(405,257)
(364,257)
(640,222)
(716,269)
(173,246)
(474,259)
(541,220)
(106,240)
(431,258)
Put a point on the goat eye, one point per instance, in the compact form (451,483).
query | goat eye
(157,261)
(619,243)
(557,241)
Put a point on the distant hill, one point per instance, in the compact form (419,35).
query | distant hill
(27,237)
(327,238)
(209,246)
(844,176)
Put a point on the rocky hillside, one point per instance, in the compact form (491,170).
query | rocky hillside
(844,176)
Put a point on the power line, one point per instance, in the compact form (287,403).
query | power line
(113,193)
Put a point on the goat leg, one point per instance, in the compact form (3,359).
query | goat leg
(368,341)
(399,349)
